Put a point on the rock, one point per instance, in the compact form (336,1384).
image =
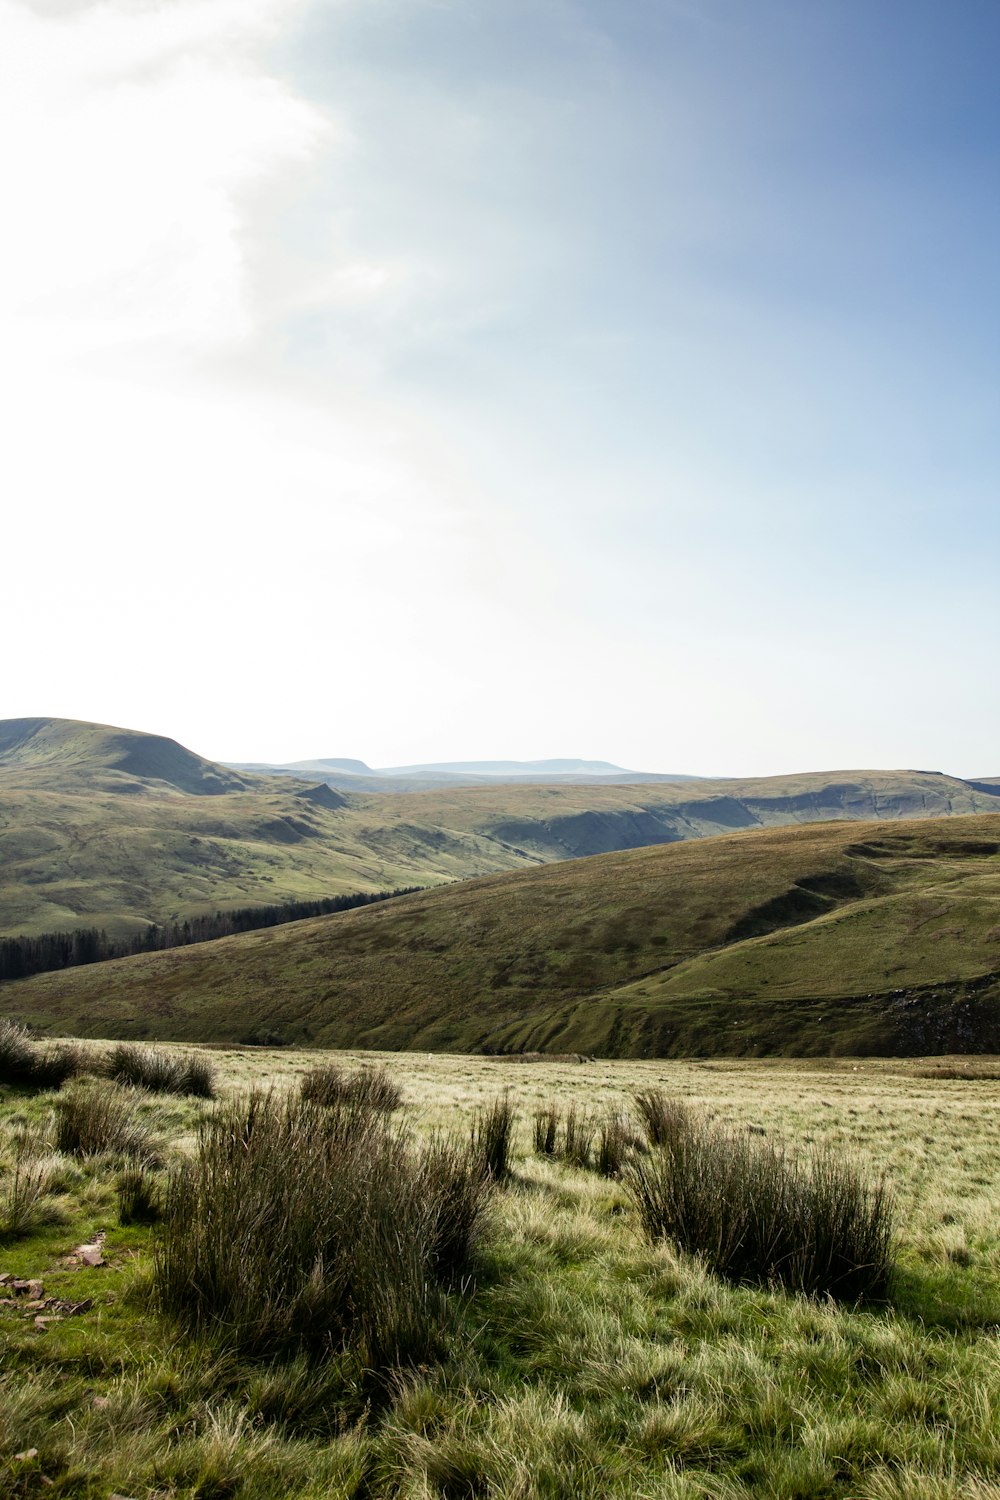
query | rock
(35,1289)
(89,1255)
(26,1455)
(42,1323)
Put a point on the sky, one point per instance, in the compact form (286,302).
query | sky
(426,380)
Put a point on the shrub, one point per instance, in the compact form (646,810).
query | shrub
(138,1195)
(25,1064)
(303,1227)
(159,1072)
(492,1134)
(755,1214)
(370,1088)
(547,1129)
(101,1119)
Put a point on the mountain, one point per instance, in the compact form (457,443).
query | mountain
(62,753)
(355,775)
(838,938)
(113,828)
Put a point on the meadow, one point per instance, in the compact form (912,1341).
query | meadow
(572,1356)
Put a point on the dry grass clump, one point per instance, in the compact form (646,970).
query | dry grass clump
(315,1228)
(101,1119)
(26,1064)
(160,1072)
(753,1213)
(492,1137)
(370,1088)
(664,1119)
(572,1136)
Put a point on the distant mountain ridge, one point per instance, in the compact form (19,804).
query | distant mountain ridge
(356,775)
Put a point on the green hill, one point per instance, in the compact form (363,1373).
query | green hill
(821,939)
(113,828)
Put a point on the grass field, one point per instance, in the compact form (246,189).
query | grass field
(580,1359)
(830,938)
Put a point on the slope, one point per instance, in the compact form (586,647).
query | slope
(826,938)
(113,828)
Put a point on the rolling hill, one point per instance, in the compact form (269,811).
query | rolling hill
(834,938)
(113,828)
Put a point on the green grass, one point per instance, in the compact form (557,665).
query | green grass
(829,938)
(582,1361)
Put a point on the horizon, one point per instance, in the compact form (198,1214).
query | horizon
(467,381)
(470,764)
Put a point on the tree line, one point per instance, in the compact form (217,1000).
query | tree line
(23,956)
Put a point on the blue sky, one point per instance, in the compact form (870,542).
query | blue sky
(485,378)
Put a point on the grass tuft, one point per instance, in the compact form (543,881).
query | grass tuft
(25,1064)
(546,1124)
(159,1072)
(139,1199)
(492,1137)
(298,1228)
(370,1088)
(753,1213)
(101,1119)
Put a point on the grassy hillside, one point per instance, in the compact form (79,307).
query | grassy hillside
(113,828)
(821,939)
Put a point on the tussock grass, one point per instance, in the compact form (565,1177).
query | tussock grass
(159,1072)
(572,1135)
(138,1194)
(546,1129)
(26,1064)
(578,1136)
(101,1119)
(492,1137)
(664,1120)
(371,1088)
(306,1227)
(755,1213)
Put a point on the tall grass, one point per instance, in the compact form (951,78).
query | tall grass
(754,1213)
(26,1064)
(664,1120)
(304,1227)
(159,1072)
(546,1122)
(370,1088)
(101,1119)
(492,1137)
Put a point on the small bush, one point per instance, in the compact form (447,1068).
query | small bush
(755,1214)
(295,1229)
(25,1064)
(160,1072)
(138,1196)
(492,1135)
(369,1088)
(547,1129)
(100,1119)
